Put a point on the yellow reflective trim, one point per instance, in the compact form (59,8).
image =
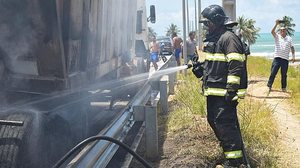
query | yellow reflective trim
(241,93)
(223,58)
(221,92)
(215,57)
(233,79)
(215,92)
(233,154)
(236,56)
(235,98)
(219,54)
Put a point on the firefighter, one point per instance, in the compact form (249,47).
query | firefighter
(224,81)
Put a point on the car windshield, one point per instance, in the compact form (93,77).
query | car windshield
(164,40)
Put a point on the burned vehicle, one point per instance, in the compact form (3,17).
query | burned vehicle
(56,61)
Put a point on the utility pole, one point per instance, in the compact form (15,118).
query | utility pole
(184,52)
(193,26)
(188,16)
(195,15)
(199,26)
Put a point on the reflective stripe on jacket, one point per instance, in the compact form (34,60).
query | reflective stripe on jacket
(225,66)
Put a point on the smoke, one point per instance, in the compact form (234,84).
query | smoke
(21,32)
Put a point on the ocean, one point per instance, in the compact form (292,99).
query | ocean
(264,45)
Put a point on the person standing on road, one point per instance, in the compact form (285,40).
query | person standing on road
(283,46)
(224,82)
(177,45)
(154,50)
(191,46)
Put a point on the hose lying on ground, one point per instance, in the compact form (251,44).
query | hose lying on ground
(101,137)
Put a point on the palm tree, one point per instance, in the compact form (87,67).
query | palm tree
(171,29)
(151,33)
(246,30)
(287,22)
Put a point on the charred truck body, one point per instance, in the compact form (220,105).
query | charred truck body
(49,50)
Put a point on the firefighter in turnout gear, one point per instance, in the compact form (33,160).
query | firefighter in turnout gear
(224,81)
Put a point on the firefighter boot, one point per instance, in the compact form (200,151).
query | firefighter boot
(227,164)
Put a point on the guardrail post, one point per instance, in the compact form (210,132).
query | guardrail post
(174,64)
(151,132)
(172,83)
(139,113)
(163,88)
(172,76)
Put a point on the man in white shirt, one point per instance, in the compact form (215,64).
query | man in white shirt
(283,46)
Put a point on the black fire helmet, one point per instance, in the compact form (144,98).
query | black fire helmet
(215,14)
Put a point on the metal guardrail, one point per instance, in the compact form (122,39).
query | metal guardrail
(98,154)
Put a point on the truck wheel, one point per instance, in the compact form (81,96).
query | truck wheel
(40,142)
(11,138)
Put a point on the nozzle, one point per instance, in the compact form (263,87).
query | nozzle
(189,66)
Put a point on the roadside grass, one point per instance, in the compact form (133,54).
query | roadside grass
(294,87)
(260,134)
(258,66)
(293,84)
(187,123)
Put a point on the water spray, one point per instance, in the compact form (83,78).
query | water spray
(160,73)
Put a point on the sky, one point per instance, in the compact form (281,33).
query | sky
(264,12)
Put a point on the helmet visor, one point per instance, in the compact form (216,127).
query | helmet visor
(205,21)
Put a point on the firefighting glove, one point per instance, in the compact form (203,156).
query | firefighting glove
(197,69)
(231,96)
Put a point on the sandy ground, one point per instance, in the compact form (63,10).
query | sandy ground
(286,115)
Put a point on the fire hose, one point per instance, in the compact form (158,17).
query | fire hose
(101,137)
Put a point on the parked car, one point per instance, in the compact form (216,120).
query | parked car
(166,45)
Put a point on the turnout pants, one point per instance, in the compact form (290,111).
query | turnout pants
(222,117)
